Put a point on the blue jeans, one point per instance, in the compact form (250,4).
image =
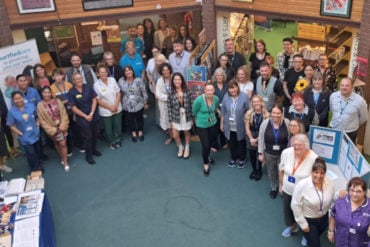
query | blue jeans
(32,156)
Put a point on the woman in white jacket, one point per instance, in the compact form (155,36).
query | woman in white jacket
(163,89)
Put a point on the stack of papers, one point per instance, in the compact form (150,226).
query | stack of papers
(29,204)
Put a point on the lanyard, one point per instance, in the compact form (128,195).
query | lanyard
(298,164)
(234,103)
(276,131)
(180,98)
(342,108)
(63,93)
(321,199)
(265,93)
(257,119)
(316,97)
(167,87)
(210,108)
(111,74)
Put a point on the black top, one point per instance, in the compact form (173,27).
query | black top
(291,77)
(83,101)
(148,42)
(236,60)
(321,106)
(256,64)
(282,138)
(115,71)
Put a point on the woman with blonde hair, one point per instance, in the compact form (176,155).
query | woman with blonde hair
(253,119)
(243,77)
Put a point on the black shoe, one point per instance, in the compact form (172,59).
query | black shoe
(97,153)
(118,144)
(258,176)
(253,175)
(206,172)
(134,139)
(141,138)
(273,194)
(90,161)
(211,161)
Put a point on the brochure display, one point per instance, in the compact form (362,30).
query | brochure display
(337,149)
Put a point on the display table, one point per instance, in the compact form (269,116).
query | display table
(47,236)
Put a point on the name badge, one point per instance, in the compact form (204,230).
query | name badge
(132,96)
(78,96)
(25,100)
(182,110)
(276,147)
(265,99)
(231,119)
(291,179)
(103,90)
(352,230)
(29,128)
(321,212)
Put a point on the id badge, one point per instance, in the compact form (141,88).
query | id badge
(182,110)
(352,230)
(210,120)
(276,147)
(29,128)
(321,212)
(132,96)
(265,99)
(231,119)
(291,179)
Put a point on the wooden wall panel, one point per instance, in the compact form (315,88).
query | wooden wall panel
(300,9)
(72,10)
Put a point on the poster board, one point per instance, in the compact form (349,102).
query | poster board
(337,149)
(196,76)
(13,59)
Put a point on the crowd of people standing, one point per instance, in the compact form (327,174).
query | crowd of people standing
(252,109)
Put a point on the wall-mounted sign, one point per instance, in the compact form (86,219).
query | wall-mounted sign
(27,6)
(105,4)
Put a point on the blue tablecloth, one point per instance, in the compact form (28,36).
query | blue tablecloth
(47,236)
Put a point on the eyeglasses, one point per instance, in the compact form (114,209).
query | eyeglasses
(356,191)
(292,125)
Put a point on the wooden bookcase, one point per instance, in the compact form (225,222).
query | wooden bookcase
(336,42)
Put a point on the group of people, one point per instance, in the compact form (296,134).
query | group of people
(252,109)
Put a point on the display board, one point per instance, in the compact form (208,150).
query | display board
(13,59)
(196,77)
(337,149)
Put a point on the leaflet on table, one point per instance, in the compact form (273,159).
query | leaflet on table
(29,204)
(27,232)
(16,186)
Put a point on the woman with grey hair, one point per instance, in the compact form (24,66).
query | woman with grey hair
(220,85)
(295,164)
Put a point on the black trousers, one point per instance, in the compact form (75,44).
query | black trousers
(287,210)
(253,157)
(89,135)
(135,120)
(237,148)
(207,136)
(317,227)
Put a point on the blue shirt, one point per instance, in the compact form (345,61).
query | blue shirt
(136,62)
(139,45)
(83,101)
(31,96)
(25,122)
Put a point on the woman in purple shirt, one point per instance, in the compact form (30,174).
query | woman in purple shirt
(350,217)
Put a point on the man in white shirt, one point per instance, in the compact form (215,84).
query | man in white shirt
(348,108)
(179,58)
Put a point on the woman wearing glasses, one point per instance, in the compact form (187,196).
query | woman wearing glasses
(53,118)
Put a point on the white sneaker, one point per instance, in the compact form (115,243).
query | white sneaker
(6,168)
(186,152)
(67,168)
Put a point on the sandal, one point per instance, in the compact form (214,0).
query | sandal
(168,141)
